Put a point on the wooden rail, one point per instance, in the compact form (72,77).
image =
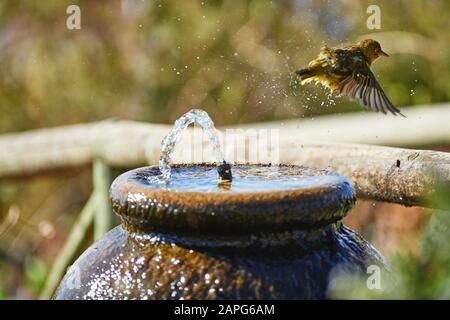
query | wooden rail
(383,173)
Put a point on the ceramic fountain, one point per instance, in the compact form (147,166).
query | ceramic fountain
(215,231)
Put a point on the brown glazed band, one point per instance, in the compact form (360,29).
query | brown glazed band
(143,208)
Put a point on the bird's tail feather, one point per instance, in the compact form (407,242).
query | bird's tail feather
(307,74)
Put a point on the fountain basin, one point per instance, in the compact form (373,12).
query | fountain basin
(261,198)
(273,233)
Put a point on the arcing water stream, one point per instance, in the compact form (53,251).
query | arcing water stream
(199,117)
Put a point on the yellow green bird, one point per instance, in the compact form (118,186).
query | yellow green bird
(346,71)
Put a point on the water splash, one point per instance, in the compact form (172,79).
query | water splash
(199,117)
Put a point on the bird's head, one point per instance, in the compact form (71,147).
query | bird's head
(372,50)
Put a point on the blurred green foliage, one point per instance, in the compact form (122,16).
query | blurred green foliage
(426,276)
(35,273)
(154,60)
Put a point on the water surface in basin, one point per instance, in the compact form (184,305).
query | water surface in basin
(250,178)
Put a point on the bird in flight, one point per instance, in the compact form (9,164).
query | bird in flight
(346,71)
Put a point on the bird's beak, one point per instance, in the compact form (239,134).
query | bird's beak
(384,54)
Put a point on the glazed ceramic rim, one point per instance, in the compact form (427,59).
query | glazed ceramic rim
(143,208)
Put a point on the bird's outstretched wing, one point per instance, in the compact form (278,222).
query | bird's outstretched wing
(363,85)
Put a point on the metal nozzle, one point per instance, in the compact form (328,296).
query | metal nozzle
(224,171)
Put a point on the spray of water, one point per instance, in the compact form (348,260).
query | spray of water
(199,117)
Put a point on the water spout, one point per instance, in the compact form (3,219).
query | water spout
(224,170)
(201,118)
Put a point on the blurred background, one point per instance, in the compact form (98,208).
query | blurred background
(152,61)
